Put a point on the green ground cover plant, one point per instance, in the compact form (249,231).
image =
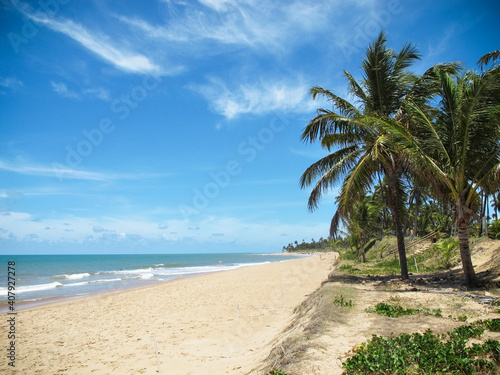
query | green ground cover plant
(395,311)
(342,302)
(429,353)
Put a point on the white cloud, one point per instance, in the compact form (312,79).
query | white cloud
(62,89)
(92,92)
(259,98)
(53,171)
(10,83)
(101,45)
(98,93)
(57,170)
(315,153)
(253,23)
(111,233)
(99,229)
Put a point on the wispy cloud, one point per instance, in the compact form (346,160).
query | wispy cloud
(98,93)
(10,83)
(62,89)
(259,98)
(53,171)
(310,153)
(121,57)
(441,45)
(57,170)
(249,23)
(266,182)
(94,92)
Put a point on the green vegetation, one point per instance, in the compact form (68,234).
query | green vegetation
(428,353)
(413,154)
(394,311)
(276,373)
(440,256)
(494,230)
(342,302)
(320,245)
(446,249)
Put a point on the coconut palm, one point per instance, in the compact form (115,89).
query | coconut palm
(458,150)
(496,204)
(362,222)
(492,57)
(362,150)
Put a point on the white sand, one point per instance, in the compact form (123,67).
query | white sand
(222,323)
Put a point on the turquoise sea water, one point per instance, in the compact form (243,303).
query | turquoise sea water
(42,278)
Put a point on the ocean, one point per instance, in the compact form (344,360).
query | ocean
(44,278)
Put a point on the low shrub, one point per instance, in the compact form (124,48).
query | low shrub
(428,353)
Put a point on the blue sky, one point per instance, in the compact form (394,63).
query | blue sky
(174,125)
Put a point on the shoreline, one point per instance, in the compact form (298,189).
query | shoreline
(30,303)
(221,322)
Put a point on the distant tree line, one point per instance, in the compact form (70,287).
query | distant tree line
(321,244)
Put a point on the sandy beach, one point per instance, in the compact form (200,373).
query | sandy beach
(221,323)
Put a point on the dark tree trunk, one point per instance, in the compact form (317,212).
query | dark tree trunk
(398,223)
(463,239)
(483,209)
(417,211)
(401,244)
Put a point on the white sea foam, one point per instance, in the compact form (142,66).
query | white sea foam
(160,273)
(133,272)
(32,288)
(92,282)
(74,276)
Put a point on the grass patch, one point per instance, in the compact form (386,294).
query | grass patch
(287,353)
(429,353)
(325,306)
(395,311)
(342,302)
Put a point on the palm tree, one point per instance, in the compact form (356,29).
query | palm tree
(496,204)
(362,222)
(458,150)
(363,149)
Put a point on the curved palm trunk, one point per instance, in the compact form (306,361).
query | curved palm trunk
(463,239)
(417,211)
(398,224)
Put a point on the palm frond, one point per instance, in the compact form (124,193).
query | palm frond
(355,88)
(493,57)
(427,86)
(335,224)
(329,177)
(325,164)
(358,180)
(405,58)
(345,108)
(328,122)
